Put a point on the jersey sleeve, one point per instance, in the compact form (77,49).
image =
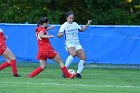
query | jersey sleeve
(78,26)
(62,28)
(41,30)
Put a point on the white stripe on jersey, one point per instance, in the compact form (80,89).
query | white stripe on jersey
(71,32)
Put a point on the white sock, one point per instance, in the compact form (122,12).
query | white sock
(81,66)
(68,61)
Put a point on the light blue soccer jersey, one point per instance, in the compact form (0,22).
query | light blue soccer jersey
(71,32)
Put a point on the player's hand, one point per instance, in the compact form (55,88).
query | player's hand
(89,21)
(51,36)
(5,37)
(53,26)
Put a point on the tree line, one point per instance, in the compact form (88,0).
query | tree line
(102,12)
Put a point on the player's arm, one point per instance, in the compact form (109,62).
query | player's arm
(60,34)
(86,26)
(51,27)
(41,35)
(61,31)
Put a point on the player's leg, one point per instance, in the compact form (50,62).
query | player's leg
(10,60)
(38,69)
(7,63)
(58,59)
(71,57)
(80,53)
(42,57)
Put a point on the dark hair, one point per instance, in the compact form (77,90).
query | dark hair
(69,13)
(42,20)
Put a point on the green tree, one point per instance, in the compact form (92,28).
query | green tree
(102,12)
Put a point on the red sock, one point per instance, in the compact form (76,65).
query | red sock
(36,71)
(65,71)
(4,65)
(13,66)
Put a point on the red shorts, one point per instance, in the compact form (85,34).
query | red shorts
(3,47)
(44,54)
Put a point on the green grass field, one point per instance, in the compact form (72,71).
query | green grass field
(95,80)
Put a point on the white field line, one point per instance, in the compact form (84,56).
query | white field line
(74,85)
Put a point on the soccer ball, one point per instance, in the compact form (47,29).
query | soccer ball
(71,71)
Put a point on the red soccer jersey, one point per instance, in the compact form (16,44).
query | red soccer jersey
(2,39)
(2,43)
(45,49)
(43,43)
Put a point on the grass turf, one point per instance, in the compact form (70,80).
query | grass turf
(94,80)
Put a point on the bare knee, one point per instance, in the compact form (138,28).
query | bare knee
(57,58)
(72,51)
(82,57)
(42,64)
(9,55)
(43,67)
(13,57)
(73,54)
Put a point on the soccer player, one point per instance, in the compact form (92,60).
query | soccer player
(74,48)
(45,50)
(7,54)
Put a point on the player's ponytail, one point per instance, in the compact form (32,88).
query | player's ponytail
(42,20)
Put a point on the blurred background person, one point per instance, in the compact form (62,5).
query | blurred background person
(7,54)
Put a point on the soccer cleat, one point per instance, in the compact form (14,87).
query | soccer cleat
(17,75)
(78,75)
(72,76)
(29,75)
